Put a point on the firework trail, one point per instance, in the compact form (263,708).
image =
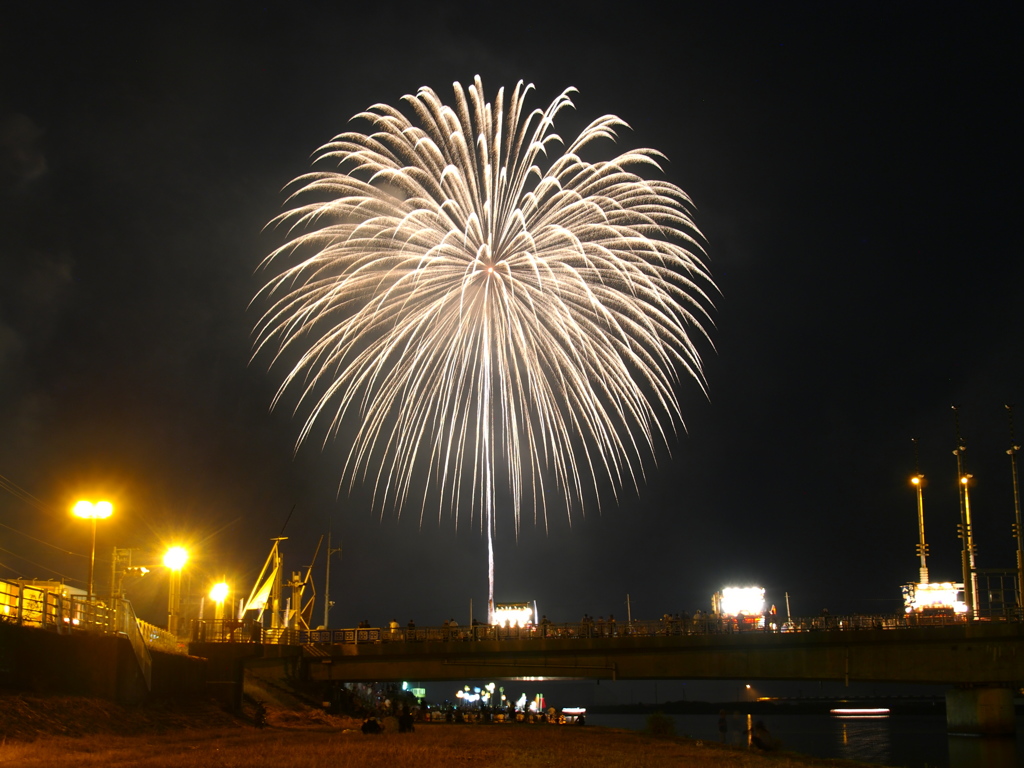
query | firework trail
(484,306)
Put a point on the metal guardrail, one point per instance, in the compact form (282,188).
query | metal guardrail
(35,606)
(128,625)
(40,607)
(159,639)
(213,631)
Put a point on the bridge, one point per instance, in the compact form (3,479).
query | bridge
(983,661)
(965,653)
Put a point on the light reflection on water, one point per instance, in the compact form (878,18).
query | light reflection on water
(914,741)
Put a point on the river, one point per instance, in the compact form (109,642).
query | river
(913,741)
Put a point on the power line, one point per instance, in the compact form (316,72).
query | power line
(65,577)
(46,543)
(20,493)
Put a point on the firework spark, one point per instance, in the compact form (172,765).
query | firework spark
(485,307)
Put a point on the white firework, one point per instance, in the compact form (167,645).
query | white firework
(484,306)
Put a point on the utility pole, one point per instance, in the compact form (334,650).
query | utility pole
(327,578)
(120,563)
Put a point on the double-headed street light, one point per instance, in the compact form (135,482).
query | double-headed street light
(175,560)
(94,511)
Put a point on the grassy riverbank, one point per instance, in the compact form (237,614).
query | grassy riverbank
(206,738)
(431,746)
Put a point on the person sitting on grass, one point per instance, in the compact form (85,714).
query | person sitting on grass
(761,739)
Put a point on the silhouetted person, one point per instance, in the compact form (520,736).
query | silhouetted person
(405,722)
(760,737)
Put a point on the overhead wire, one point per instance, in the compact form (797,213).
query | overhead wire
(45,543)
(17,491)
(20,493)
(63,576)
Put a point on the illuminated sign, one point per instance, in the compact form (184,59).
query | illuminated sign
(515,614)
(936,596)
(737,601)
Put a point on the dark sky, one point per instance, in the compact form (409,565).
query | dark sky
(856,170)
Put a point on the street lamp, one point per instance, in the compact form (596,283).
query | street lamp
(94,511)
(219,594)
(175,560)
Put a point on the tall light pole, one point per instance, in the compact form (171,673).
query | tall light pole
(969,547)
(175,560)
(922,548)
(966,555)
(1018,532)
(327,580)
(88,510)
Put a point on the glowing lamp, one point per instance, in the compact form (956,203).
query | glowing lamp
(88,510)
(219,592)
(175,558)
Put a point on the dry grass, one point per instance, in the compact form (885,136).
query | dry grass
(26,717)
(431,746)
(91,733)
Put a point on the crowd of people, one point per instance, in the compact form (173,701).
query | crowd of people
(683,623)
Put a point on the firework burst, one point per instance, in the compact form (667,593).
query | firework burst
(487,308)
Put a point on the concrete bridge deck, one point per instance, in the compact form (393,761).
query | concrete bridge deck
(965,653)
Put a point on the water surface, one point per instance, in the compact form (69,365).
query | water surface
(913,741)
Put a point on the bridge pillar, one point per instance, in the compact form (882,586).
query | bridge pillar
(984,710)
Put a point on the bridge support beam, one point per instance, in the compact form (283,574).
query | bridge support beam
(984,710)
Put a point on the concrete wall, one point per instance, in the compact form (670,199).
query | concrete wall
(86,664)
(226,669)
(986,711)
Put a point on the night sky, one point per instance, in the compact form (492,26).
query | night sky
(856,169)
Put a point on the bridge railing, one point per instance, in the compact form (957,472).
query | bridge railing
(159,639)
(232,631)
(48,609)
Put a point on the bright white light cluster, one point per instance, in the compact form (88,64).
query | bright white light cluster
(517,614)
(919,597)
(748,601)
